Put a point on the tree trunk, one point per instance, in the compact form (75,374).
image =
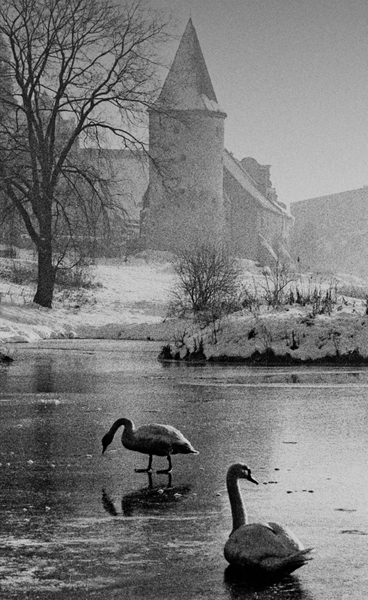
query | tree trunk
(46,276)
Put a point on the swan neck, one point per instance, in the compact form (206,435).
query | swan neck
(238,511)
(127,423)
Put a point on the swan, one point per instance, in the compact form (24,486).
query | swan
(153,439)
(259,548)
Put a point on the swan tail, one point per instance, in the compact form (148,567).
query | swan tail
(185,448)
(295,561)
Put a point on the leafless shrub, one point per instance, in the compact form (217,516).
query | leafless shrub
(277,280)
(80,276)
(73,277)
(323,301)
(250,298)
(208,283)
(20,273)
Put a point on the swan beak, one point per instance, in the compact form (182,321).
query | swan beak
(250,478)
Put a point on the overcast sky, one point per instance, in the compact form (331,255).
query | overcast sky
(292,76)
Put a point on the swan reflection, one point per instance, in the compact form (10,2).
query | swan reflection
(150,497)
(240,588)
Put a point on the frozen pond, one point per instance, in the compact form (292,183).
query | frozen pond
(79,525)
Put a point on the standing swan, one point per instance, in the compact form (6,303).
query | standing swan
(152,439)
(260,548)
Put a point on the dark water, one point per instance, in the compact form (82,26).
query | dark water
(76,524)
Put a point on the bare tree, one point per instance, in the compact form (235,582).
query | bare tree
(6,209)
(81,70)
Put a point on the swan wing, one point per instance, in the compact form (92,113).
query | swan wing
(263,547)
(158,439)
(285,534)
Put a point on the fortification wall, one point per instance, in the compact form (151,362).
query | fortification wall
(255,231)
(331,232)
(242,219)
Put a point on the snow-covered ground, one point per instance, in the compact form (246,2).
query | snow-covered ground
(131,302)
(130,294)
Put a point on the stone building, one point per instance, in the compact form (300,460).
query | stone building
(331,233)
(198,191)
(191,189)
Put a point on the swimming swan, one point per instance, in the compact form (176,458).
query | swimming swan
(153,439)
(260,548)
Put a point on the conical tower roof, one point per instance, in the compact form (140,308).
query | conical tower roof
(188,85)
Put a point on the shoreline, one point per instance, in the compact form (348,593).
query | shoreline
(269,358)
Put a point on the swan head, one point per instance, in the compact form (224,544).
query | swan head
(240,471)
(106,441)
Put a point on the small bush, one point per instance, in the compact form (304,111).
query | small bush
(76,278)
(208,283)
(19,273)
(277,284)
(323,302)
(250,299)
(320,298)
(25,273)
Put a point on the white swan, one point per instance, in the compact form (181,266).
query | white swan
(260,548)
(153,439)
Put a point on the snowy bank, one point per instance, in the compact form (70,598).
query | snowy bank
(279,337)
(131,301)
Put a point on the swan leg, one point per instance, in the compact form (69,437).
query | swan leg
(149,468)
(169,469)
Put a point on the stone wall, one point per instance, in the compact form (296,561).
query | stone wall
(258,226)
(331,233)
(242,219)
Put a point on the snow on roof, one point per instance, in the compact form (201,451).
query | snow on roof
(239,173)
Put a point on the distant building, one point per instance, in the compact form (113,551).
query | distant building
(127,176)
(331,232)
(191,189)
(198,191)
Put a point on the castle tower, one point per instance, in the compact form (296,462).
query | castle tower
(184,201)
